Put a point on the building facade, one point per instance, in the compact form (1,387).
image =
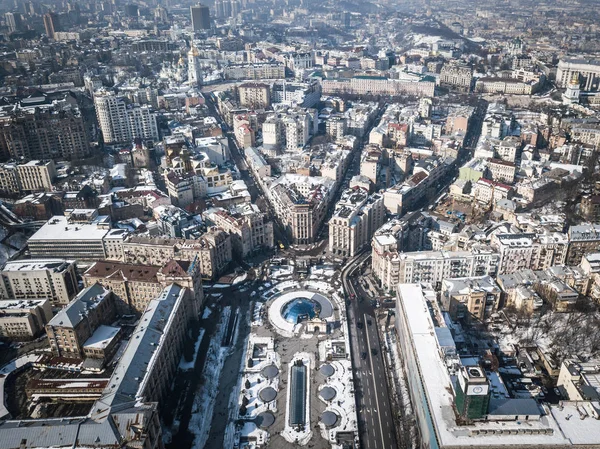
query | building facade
(356,218)
(52,279)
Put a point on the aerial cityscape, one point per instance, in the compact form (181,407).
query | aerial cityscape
(337,224)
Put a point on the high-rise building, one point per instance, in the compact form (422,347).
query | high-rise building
(51,24)
(43,131)
(13,21)
(122,122)
(200,17)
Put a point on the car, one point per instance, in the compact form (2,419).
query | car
(374,351)
(359,324)
(369,322)
(557,391)
(363,355)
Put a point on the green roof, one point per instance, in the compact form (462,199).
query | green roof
(368,77)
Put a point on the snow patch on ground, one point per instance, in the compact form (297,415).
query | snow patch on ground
(187,366)
(204,401)
(240,278)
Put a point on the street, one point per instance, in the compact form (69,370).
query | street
(376,422)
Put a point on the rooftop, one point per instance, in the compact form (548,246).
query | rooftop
(59,228)
(79,307)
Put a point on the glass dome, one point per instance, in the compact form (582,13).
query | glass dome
(300,309)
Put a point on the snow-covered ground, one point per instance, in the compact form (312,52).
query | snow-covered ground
(187,366)
(343,404)
(253,376)
(280,271)
(207,312)
(240,278)
(204,401)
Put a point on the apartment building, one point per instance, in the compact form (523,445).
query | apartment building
(255,71)
(489,192)
(257,163)
(121,122)
(583,239)
(23,319)
(458,120)
(336,126)
(249,228)
(356,217)
(254,95)
(391,267)
(471,299)
(213,250)
(36,176)
(52,279)
(137,285)
(43,130)
(529,251)
(502,171)
(586,133)
(301,204)
(73,325)
(9,179)
(184,188)
(306,94)
(460,77)
(297,130)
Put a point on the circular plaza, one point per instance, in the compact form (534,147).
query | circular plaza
(289,311)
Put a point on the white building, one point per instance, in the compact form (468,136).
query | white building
(121,122)
(67,237)
(588,72)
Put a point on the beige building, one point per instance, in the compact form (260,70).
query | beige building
(213,250)
(301,204)
(248,226)
(52,279)
(457,76)
(22,319)
(507,86)
(356,218)
(580,380)
(137,285)
(257,71)
(244,129)
(72,326)
(36,176)
(473,298)
(254,95)
(502,171)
